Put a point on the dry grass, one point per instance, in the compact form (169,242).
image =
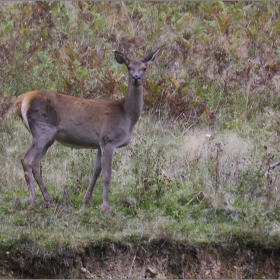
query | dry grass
(184,176)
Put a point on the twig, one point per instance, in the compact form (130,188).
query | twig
(275,165)
(131,266)
(269,182)
(130,270)
(271,167)
(188,128)
(200,192)
(218,179)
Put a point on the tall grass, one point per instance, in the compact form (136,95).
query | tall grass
(189,177)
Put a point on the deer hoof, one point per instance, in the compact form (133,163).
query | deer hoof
(34,200)
(105,208)
(49,204)
(85,202)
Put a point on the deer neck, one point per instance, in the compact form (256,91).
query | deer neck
(133,102)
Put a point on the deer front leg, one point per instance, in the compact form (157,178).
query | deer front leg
(96,172)
(106,165)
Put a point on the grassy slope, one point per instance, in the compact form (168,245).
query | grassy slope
(173,180)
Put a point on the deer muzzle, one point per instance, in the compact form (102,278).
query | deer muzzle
(136,79)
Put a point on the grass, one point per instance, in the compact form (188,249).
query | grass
(187,177)
(188,188)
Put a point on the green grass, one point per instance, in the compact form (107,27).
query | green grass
(183,177)
(163,186)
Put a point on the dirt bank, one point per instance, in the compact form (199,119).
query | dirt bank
(160,259)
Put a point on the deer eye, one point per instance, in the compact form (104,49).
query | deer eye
(128,68)
(144,69)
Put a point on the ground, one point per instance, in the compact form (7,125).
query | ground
(161,259)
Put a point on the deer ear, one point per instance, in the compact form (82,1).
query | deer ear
(121,58)
(150,57)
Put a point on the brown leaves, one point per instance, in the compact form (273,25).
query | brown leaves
(6,102)
(88,56)
(174,82)
(224,21)
(173,99)
(186,109)
(111,83)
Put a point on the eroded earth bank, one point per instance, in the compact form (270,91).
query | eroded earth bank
(160,259)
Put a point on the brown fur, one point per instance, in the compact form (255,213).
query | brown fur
(81,123)
(17,105)
(28,96)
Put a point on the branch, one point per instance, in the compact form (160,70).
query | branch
(271,167)
(274,165)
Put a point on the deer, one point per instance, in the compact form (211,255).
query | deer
(76,122)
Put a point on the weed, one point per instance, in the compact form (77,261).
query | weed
(195,169)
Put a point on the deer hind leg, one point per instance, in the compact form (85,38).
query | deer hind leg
(27,164)
(31,165)
(96,173)
(38,176)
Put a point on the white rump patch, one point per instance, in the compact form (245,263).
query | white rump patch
(24,109)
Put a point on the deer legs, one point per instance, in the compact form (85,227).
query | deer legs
(32,159)
(103,162)
(28,178)
(96,172)
(106,165)
(31,165)
(38,177)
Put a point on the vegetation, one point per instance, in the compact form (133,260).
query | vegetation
(195,169)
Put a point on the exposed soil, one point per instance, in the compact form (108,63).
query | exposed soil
(157,260)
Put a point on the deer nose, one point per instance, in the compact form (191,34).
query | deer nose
(136,77)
